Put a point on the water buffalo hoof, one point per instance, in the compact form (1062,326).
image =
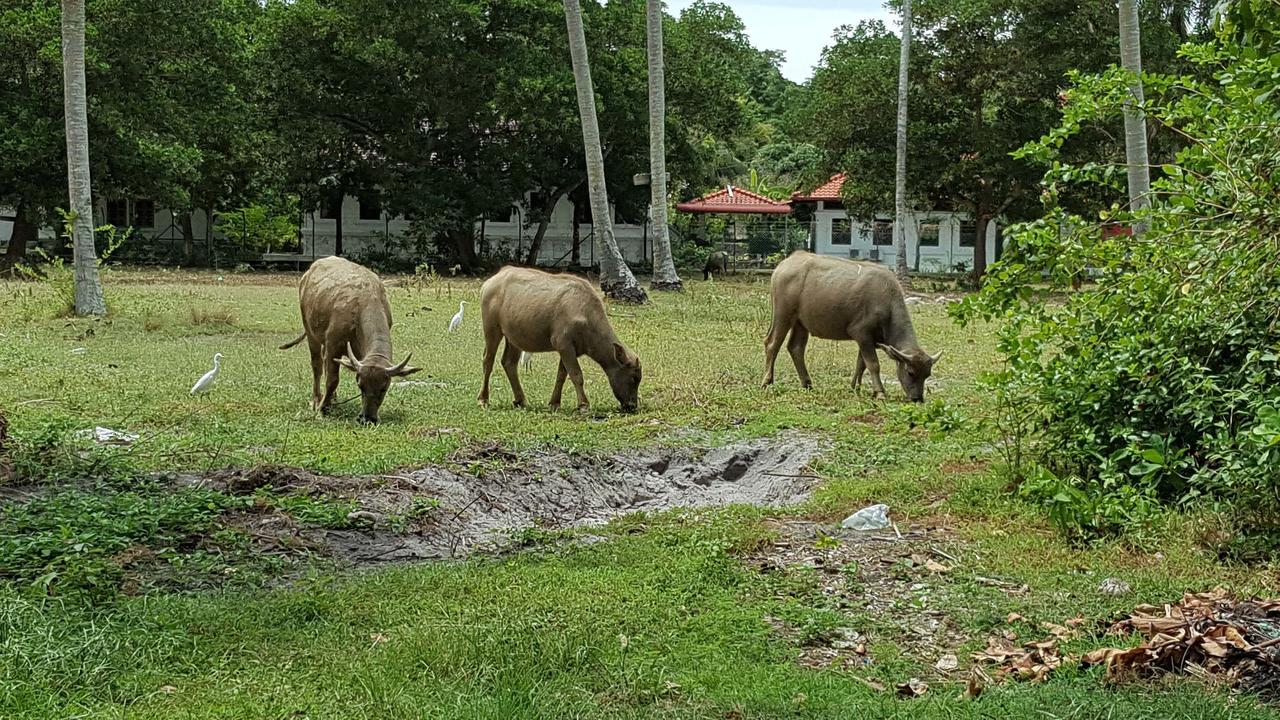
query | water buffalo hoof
(553,407)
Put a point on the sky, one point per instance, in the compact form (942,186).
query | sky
(799,28)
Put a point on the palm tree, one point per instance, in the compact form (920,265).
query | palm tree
(615,277)
(88,288)
(1135,123)
(664,266)
(900,184)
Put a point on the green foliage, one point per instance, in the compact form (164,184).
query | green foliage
(262,227)
(1160,384)
(54,271)
(74,542)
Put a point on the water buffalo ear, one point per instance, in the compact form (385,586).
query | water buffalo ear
(893,352)
(621,354)
(346,362)
(407,371)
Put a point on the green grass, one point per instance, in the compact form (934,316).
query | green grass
(538,634)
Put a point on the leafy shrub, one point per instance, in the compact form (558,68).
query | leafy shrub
(74,542)
(262,226)
(1161,385)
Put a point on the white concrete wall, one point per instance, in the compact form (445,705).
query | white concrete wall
(941,258)
(319,234)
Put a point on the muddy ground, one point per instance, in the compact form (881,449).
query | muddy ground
(484,498)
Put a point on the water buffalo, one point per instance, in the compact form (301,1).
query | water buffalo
(717,262)
(346,321)
(838,299)
(537,311)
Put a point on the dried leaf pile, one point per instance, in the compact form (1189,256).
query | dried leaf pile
(1208,635)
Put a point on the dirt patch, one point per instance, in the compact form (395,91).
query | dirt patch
(487,495)
(960,466)
(896,577)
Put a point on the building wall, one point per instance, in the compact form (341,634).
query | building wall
(941,258)
(512,235)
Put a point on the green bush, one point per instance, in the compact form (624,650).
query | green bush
(1161,385)
(262,226)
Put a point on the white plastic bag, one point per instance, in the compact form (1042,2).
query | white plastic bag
(873,517)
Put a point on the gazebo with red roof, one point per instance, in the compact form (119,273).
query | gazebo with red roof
(735,201)
(762,232)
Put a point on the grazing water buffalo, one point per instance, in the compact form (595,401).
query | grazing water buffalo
(346,321)
(717,262)
(837,299)
(537,311)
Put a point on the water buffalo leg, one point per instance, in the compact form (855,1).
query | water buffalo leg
(869,358)
(317,370)
(569,359)
(773,343)
(796,346)
(858,369)
(331,373)
(558,390)
(491,339)
(511,363)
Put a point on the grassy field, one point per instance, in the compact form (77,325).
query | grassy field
(663,619)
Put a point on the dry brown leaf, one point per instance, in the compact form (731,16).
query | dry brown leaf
(936,567)
(913,688)
(973,688)
(1061,632)
(1013,618)
(947,663)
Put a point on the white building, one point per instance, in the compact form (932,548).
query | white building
(943,241)
(365,226)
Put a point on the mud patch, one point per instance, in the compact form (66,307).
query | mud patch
(487,495)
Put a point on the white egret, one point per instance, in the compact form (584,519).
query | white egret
(526,359)
(456,322)
(204,384)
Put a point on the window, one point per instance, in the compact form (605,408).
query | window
(144,213)
(841,231)
(968,233)
(929,234)
(370,208)
(882,233)
(118,213)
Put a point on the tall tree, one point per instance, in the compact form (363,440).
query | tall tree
(1135,122)
(88,287)
(664,267)
(615,277)
(900,176)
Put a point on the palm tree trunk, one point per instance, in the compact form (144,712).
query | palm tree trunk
(615,277)
(88,287)
(664,266)
(900,184)
(1135,123)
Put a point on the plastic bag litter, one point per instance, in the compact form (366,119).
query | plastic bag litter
(872,517)
(107,436)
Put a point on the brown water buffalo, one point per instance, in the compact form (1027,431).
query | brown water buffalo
(838,299)
(346,321)
(537,311)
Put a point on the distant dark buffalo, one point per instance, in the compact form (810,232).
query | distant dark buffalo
(717,262)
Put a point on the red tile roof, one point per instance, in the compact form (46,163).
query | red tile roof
(830,190)
(735,200)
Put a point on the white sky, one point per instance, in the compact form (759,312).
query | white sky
(799,28)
